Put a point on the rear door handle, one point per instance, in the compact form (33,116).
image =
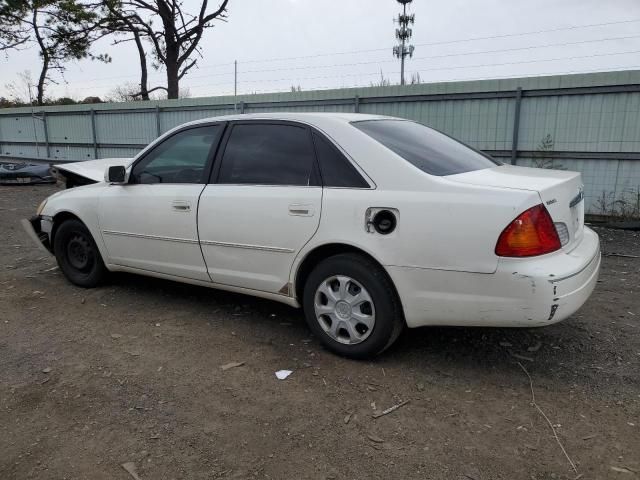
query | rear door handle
(301,210)
(181,206)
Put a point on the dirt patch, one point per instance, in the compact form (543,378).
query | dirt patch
(133,374)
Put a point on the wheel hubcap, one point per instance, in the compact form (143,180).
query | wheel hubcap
(344,309)
(79,252)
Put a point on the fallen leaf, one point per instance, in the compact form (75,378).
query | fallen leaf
(227,366)
(535,348)
(374,438)
(622,470)
(130,467)
(46,370)
(522,357)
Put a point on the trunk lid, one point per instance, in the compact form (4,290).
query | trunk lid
(561,192)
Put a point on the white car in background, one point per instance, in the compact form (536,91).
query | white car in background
(369,223)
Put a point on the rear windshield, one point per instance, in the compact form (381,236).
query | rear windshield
(431,151)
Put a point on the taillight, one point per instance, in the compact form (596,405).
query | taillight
(532,233)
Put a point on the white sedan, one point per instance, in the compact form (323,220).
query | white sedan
(368,223)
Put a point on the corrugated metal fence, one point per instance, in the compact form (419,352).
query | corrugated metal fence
(586,122)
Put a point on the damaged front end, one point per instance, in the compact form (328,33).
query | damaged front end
(66,179)
(77,174)
(39,228)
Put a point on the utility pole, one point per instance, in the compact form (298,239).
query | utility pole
(403,34)
(235,84)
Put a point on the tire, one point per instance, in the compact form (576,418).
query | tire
(368,293)
(78,255)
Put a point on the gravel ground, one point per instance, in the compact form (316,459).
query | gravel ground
(130,373)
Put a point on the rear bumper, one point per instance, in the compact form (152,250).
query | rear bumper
(521,293)
(39,229)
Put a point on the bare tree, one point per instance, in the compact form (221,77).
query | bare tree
(20,90)
(124,22)
(127,92)
(176,41)
(383,82)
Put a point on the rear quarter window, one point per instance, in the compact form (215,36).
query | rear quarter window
(431,151)
(335,169)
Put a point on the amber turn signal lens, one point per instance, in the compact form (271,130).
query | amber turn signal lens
(531,233)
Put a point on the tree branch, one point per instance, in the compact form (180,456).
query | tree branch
(186,69)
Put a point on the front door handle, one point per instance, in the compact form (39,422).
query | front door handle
(181,206)
(301,210)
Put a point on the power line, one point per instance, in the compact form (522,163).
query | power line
(445,42)
(576,27)
(532,61)
(367,74)
(482,65)
(445,55)
(428,57)
(457,79)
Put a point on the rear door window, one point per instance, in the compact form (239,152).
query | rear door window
(268,154)
(431,151)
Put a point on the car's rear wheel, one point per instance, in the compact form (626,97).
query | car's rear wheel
(351,305)
(77,254)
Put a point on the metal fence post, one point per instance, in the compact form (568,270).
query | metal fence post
(93,133)
(158,131)
(46,134)
(356,104)
(1,152)
(516,127)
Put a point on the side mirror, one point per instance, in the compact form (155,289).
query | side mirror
(116,174)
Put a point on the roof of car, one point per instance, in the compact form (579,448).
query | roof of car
(305,117)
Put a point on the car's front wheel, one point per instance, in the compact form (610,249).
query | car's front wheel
(351,305)
(77,254)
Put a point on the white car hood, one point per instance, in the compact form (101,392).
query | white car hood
(93,169)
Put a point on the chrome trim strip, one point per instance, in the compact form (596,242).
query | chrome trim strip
(250,247)
(577,199)
(203,242)
(150,237)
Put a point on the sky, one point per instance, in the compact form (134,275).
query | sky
(320,44)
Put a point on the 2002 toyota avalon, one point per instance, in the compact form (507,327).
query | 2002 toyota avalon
(369,223)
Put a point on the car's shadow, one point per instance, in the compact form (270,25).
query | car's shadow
(548,351)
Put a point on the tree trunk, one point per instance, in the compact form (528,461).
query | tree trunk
(171,59)
(44,53)
(144,88)
(42,79)
(173,85)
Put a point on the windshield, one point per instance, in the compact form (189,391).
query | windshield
(431,151)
